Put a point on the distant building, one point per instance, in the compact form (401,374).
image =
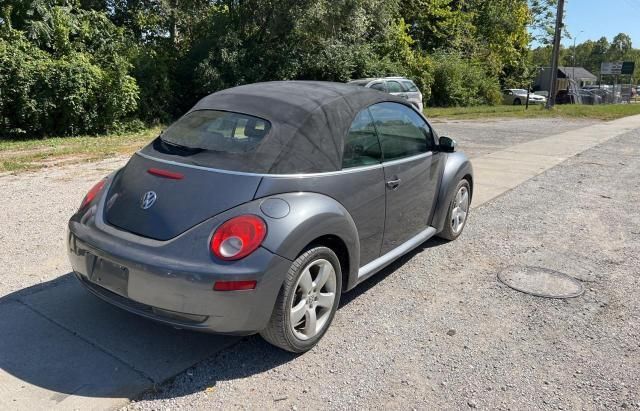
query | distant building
(581,76)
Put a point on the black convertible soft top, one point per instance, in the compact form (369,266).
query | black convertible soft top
(309,120)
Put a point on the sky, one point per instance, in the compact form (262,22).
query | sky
(597,18)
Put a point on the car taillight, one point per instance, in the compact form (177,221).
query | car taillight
(92,193)
(238,237)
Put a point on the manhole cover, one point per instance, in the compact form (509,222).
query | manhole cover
(541,282)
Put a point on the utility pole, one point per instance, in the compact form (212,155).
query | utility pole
(574,55)
(556,55)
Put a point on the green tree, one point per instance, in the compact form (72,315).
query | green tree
(542,16)
(502,38)
(439,24)
(619,47)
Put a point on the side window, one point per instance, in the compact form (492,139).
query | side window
(378,86)
(394,87)
(403,133)
(361,146)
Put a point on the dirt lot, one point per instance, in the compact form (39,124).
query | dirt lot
(436,329)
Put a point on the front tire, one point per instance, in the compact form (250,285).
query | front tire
(458,211)
(517,102)
(307,302)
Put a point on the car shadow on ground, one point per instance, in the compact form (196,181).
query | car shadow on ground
(59,337)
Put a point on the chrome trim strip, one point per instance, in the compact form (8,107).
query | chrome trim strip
(300,175)
(408,159)
(379,263)
(244,173)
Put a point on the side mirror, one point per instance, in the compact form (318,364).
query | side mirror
(447,144)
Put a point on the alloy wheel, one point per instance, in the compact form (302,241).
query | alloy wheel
(460,209)
(315,293)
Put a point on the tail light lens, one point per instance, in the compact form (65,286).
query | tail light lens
(238,237)
(234,285)
(91,195)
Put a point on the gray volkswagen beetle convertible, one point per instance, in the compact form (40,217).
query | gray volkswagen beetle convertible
(254,211)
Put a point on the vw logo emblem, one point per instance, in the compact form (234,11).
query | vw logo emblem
(148,199)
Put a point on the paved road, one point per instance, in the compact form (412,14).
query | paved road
(102,354)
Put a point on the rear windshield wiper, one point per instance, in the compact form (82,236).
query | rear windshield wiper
(170,147)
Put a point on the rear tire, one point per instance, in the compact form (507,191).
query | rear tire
(458,212)
(517,102)
(307,302)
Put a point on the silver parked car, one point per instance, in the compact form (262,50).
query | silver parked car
(398,86)
(518,96)
(258,208)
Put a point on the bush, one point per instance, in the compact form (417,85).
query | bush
(41,95)
(462,82)
(154,71)
(66,75)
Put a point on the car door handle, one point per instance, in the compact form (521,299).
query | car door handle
(393,184)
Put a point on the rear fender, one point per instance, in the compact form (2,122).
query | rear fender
(457,166)
(306,217)
(311,216)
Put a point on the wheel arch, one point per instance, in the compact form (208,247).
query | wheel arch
(316,219)
(457,167)
(338,246)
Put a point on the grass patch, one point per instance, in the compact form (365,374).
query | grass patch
(34,154)
(600,112)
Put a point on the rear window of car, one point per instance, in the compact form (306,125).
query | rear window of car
(219,139)
(219,131)
(409,86)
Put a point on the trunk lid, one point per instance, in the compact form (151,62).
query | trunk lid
(176,204)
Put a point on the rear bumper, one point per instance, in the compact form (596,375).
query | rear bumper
(178,293)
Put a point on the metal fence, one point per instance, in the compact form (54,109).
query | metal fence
(571,93)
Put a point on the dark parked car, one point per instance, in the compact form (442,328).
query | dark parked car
(582,96)
(567,97)
(261,205)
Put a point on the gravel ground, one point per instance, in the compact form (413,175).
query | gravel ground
(437,330)
(34,210)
